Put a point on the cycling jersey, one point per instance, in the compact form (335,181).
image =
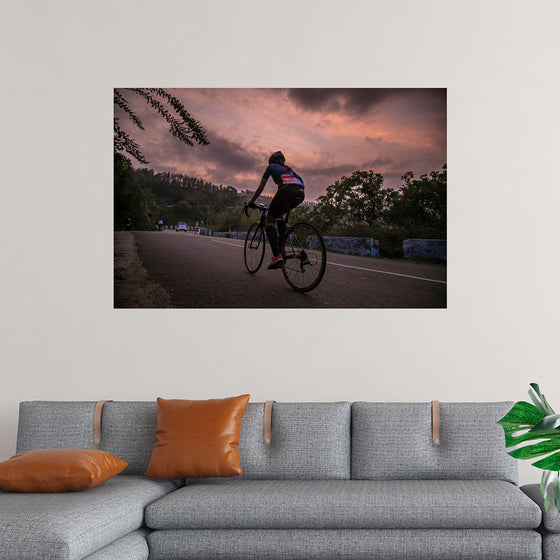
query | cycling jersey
(282,175)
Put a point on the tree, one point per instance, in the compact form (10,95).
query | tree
(129,200)
(421,207)
(232,220)
(181,123)
(358,200)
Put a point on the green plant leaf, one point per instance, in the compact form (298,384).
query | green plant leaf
(547,478)
(556,490)
(519,420)
(549,422)
(526,422)
(535,450)
(512,440)
(550,478)
(539,399)
(522,414)
(550,463)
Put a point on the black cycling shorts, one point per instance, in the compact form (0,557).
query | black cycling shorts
(287,198)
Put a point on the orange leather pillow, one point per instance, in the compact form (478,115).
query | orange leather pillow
(58,470)
(197,438)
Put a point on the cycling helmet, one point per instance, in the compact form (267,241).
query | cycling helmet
(277,157)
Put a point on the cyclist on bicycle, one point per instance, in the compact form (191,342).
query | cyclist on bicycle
(289,195)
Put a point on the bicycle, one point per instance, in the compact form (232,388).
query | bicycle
(302,247)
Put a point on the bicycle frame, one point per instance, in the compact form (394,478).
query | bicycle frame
(293,247)
(255,244)
(263,210)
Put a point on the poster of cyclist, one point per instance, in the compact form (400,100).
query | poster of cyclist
(280,198)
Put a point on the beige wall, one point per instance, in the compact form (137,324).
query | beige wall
(61,339)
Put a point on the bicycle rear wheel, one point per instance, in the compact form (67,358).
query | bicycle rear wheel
(253,251)
(305,257)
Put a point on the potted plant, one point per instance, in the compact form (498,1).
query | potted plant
(533,430)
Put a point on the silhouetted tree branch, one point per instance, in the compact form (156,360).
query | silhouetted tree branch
(182,125)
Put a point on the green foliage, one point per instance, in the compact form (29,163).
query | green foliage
(537,427)
(129,200)
(173,198)
(302,213)
(360,206)
(182,125)
(232,220)
(355,206)
(358,199)
(421,206)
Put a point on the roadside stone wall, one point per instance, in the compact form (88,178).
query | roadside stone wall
(229,234)
(362,246)
(365,246)
(425,249)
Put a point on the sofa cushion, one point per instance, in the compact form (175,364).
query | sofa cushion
(310,441)
(350,544)
(197,438)
(551,518)
(394,441)
(551,546)
(58,470)
(51,424)
(130,547)
(345,504)
(70,526)
(127,428)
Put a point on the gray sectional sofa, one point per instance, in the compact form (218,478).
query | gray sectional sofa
(339,480)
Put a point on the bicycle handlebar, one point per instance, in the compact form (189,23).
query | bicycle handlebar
(259,207)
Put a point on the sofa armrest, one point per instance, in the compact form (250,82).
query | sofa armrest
(550,527)
(551,518)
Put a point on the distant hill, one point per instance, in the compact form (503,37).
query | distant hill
(177,198)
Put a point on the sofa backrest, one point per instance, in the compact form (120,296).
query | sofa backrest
(394,441)
(309,440)
(127,428)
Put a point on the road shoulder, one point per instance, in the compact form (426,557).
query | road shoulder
(132,286)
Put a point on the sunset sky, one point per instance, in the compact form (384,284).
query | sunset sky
(324,133)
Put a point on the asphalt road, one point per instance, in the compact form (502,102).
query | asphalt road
(199,271)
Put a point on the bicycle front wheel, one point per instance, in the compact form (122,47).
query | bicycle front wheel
(305,257)
(253,252)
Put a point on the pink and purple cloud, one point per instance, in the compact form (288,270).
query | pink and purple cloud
(324,133)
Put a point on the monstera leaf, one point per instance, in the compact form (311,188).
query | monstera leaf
(533,430)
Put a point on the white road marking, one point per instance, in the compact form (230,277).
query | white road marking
(226,243)
(384,272)
(354,267)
